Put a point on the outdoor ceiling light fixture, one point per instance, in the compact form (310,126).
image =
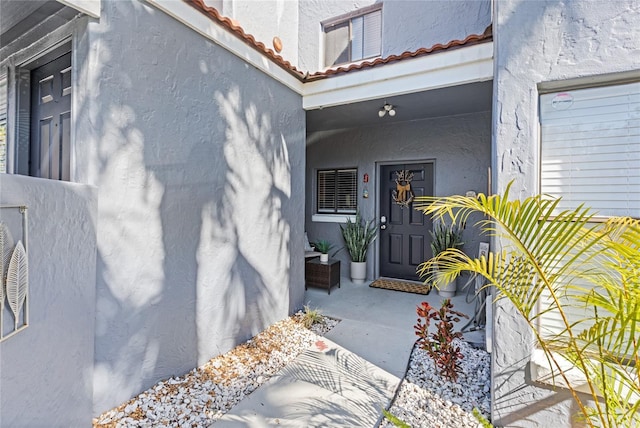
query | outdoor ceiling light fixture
(386,108)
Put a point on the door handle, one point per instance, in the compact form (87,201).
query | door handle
(383,219)
(383,226)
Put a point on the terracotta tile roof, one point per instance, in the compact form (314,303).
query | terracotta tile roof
(233,26)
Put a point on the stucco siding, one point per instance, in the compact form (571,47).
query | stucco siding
(459,146)
(407,25)
(537,43)
(46,370)
(199,161)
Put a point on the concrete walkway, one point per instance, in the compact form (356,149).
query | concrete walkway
(347,378)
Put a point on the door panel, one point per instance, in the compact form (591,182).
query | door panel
(404,238)
(50,149)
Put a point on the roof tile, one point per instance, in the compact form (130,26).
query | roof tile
(233,26)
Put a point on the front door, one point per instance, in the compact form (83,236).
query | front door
(50,149)
(404,232)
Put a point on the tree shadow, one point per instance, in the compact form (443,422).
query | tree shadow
(197,200)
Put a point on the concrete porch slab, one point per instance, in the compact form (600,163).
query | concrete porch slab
(326,386)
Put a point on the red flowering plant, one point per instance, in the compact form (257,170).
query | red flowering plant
(439,344)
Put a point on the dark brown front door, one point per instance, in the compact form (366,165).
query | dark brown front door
(404,232)
(50,151)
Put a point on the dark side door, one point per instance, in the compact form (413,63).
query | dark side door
(50,147)
(404,232)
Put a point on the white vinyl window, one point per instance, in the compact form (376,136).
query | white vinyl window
(590,148)
(352,38)
(337,191)
(590,154)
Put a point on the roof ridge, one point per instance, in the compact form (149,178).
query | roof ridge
(234,27)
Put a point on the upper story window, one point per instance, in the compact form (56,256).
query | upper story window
(337,191)
(353,37)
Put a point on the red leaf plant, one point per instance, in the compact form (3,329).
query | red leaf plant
(439,344)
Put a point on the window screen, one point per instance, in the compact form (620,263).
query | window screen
(353,39)
(590,148)
(337,191)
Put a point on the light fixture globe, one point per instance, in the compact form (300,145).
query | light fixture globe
(386,108)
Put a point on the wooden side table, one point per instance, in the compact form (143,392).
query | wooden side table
(323,275)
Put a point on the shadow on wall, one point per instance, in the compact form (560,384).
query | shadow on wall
(193,243)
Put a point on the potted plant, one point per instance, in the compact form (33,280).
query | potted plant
(445,237)
(323,246)
(358,236)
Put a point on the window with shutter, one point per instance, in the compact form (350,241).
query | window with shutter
(353,37)
(590,154)
(590,148)
(336,191)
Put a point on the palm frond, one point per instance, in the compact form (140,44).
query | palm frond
(561,263)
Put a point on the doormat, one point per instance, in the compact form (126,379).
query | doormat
(408,287)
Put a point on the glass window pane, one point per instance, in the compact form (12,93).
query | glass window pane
(357,38)
(336,44)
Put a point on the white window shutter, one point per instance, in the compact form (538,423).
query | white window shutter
(590,148)
(372,34)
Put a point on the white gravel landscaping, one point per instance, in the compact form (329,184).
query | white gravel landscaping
(427,400)
(203,395)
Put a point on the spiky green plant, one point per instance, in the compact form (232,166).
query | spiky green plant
(311,316)
(444,237)
(323,246)
(562,262)
(358,236)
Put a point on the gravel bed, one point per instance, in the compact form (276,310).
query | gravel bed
(427,400)
(203,395)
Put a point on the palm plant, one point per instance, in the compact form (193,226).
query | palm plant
(358,236)
(558,263)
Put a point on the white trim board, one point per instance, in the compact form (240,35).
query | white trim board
(90,7)
(450,68)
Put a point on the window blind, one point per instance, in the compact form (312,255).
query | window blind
(337,191)
(590,148)
(372,34)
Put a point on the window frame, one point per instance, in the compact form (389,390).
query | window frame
(336,212)
(541,370)
(571,86)
(348,19)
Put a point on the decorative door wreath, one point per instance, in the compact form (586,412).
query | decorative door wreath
(403,195)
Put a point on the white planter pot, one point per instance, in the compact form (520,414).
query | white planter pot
(358,272)
(448,289)
(324,258)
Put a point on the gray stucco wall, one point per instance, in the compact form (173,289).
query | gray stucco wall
(46,369)
(458,145)
(538,42)
(407,25)
(199,161)
(265,20)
